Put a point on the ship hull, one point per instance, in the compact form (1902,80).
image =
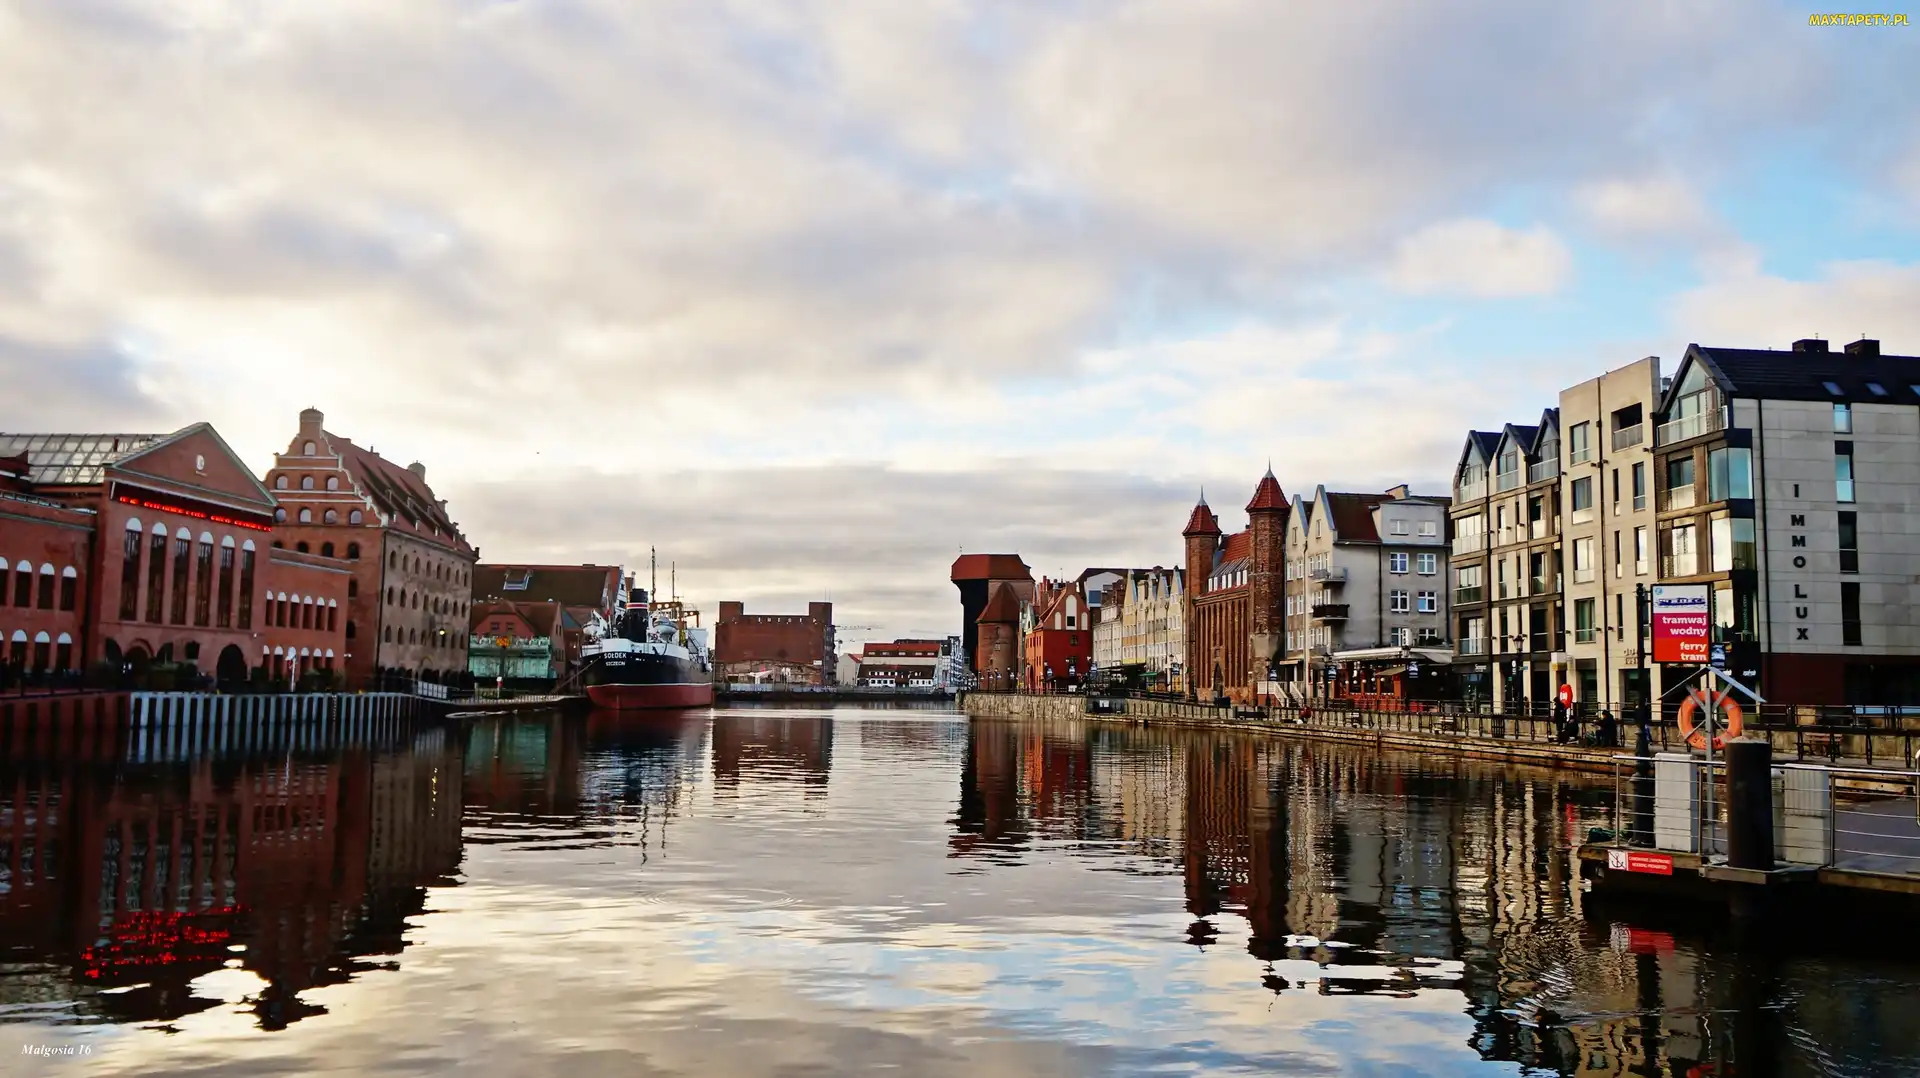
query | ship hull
(633,681)
(645,697)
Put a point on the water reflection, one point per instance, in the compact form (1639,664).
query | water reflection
(771,890)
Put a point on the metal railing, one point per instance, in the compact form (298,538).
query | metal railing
(1542,470)
(1335,575)
(1691,426)
(1470,492)
(1465,596)
(1503,481)
(1679,498)
(1627,437)
(1470,544)
(1472,646)
(1330,611)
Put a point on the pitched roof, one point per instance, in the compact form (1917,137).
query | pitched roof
(542,617)
(1802,374)
(404,497)
(1238,547)
(1002,606)
(1268,494)
(592,586)
(990,567)
(73,459)
(1352,516)
(1201,521)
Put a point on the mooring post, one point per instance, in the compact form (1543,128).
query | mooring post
(1750,804)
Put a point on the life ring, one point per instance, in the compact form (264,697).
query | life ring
(1730,716)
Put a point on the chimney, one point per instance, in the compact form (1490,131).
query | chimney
(419,471)
(310,421)
(1399,492)
(1809,344)
(1865,346)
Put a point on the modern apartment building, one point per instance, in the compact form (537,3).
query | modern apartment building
(1783,482)
(1365,580)
(1789,481)
(1608,533)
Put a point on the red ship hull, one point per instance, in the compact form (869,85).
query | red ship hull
(621,697)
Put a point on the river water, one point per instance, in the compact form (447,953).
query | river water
(783,892)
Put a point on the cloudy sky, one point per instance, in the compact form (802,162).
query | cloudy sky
(812,295)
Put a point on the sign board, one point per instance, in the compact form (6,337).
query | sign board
(1718,657)
(1566,695)
(1657,864)
(1413,669)
(1681,623)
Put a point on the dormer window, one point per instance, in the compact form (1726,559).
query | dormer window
(307,449)
(520,583)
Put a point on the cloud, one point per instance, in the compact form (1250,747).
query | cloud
(1481,259)
(1665,211)
(1846,301)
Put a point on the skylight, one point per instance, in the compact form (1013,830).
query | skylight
(1833,388)
(1877,389)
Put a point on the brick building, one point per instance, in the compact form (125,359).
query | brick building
(902,664)
(522,640)
(1057,644)
(1235,614)
(977,576)
(411,571)
(794,648)
(583,589)
(996,656)
(144,549)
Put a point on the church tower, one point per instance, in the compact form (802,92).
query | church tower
(1266,578)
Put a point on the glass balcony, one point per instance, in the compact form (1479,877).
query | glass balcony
(1336,575)
(1468,596)
(1584,576)
(1540,471)
(1690,426)
(1471,492)
(1679,498)
(1473,646)
(1541,585)
(1506,480)
(1329,611)
(1469,544)
(1585,636)
(1672,565)
(1626,437)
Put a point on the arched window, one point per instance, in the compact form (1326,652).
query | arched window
(416,600)
(333,482)
(355,517)
(393,560)
(69,589)
(278,545)
(223,613)
(353,551)
(350,629)
(63,652)
(246,584)
(306,450)
(279,516)
(416,563)
(389,595)
(386,634)
(306,613)
(306,482)
(203,581)
(333,611)
(330,517)
(326,550)
(353,587)
(306,516)
(279,482)
(301,546)
(45,599)
(182,551)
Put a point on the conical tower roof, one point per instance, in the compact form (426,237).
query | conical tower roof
(1268,495)
(1202,522)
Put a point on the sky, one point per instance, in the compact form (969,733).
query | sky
(813,296)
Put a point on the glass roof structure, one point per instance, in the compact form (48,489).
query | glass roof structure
(72,459)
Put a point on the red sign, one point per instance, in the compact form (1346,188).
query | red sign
(1681,629)
(1632,940)
(1658,864)
(1566,696)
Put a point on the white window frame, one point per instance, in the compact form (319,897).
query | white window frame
(1427,564)
(1400,601)
(1397,563)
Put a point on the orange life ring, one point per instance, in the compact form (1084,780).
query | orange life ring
(1730,716)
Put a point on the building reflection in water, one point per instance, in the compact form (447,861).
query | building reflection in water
(123,884)
(795,748)
(1355,872)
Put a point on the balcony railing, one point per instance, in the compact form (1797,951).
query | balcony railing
(1626,437)
(1470,544)
(1537,529)
(1506,480)
(1335,575)
(1584,576)
(1585,636)
(1542,585)
(1690,426)
(1672,565)
(1579,454)
(1507,536)
(1471,492)
(1469,596)
(1472,646)
(1679,498)
(1330,611)
(1542,470)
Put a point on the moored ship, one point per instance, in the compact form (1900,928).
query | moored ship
(648,658)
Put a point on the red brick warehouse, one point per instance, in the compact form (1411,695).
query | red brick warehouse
(1236,596)
(786,647)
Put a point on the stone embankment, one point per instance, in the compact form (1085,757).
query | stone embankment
(1512,739)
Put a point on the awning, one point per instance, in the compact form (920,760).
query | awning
(1388,672)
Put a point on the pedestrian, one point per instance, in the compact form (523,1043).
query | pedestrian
(1606,729)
